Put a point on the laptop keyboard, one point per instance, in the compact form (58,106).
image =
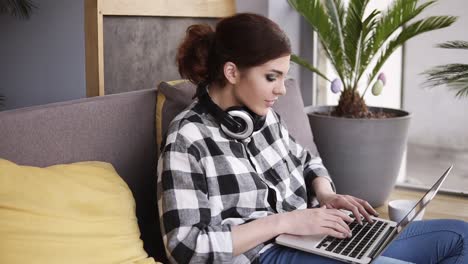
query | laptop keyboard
(361,240)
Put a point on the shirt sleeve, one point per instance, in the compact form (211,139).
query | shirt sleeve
(312,164)
(184,208)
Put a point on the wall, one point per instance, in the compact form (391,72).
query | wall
(43,58)
(439,120)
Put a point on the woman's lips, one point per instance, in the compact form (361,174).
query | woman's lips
(270,103)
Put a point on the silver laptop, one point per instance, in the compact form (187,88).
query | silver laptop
(368,241)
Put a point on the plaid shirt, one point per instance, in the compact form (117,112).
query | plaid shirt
(208,182)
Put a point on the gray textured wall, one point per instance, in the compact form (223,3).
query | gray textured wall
(139,52)
(42,60)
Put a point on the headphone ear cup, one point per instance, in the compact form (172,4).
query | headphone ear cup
(243,118)
(236,122)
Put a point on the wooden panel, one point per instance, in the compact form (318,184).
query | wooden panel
(180,8)
(95,10)
(443,206)
(94,49)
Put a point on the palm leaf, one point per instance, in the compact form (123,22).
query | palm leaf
(455,44)
(307,65)
(355,35)
(336,13)
(367,53)
(455,76)
(18,8)
(447,73)
(461,86)
(398,14)
(414,29)
(317,17)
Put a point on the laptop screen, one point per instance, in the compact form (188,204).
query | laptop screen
(412,214)
(423,202)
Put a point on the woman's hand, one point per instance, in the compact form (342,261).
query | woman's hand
(317,221)
(327,197)
(357,206)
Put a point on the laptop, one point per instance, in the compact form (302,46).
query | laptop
(368,241)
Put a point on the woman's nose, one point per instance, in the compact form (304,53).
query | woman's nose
(280,89)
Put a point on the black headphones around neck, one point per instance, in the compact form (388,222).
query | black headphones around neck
(236,122)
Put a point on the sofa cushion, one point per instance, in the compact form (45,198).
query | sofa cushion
(174,96)
(118,129)
(291,109)
(73,213)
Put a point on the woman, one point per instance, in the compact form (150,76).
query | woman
(231,178)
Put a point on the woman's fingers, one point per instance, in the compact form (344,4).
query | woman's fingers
(337,216)
(333,233)
(361,209)
(337,225)
(346,204)
(357,206)
(368,207)
(342,215)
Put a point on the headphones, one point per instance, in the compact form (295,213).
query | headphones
(236,122)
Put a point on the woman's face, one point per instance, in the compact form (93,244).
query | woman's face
(259,87)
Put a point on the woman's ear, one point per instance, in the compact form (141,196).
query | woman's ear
(231,72)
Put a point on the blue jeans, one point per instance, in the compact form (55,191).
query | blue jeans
(431,241)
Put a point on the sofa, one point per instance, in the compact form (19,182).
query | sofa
(124,130)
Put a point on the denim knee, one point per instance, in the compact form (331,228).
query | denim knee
(453,225)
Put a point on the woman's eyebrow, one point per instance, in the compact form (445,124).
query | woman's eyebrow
(277,71)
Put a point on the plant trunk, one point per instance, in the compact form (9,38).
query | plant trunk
(351,105)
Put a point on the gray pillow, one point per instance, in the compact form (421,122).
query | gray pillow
(173,97)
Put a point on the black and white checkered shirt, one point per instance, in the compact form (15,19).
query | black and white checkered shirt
(208,182)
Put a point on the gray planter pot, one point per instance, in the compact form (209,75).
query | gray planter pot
(363,156)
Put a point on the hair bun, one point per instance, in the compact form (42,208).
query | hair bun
(193,53)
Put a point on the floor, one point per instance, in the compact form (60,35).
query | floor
(426,164)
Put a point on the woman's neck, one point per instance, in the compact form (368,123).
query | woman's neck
(223,96)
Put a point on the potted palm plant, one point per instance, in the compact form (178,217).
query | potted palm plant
(454,75)
(362,146)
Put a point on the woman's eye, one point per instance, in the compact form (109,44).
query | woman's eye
(270,77)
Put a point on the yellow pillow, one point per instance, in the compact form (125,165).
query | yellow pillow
(73,213)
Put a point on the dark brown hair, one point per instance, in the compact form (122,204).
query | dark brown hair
(245,39)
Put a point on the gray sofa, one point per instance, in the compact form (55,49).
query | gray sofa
(119,129)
